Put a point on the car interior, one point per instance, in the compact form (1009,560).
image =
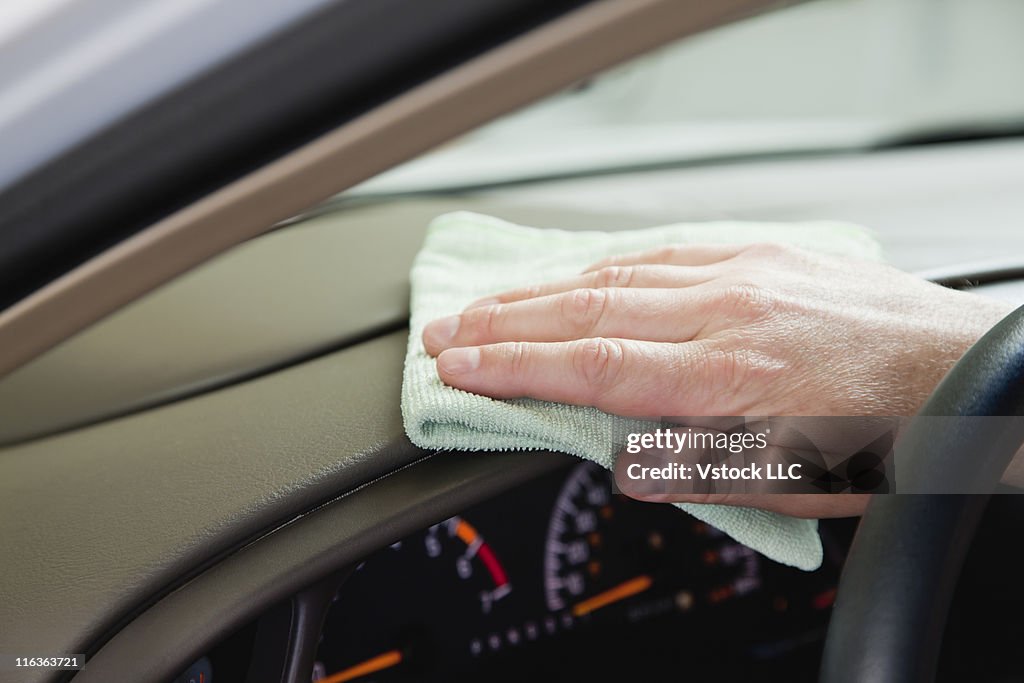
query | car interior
(204,305)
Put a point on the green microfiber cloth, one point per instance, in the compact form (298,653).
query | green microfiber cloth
(467,256)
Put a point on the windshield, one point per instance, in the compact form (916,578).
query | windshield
(821,76)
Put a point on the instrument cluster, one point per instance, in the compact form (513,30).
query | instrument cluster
(563,577)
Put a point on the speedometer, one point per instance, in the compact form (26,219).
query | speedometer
(607,554)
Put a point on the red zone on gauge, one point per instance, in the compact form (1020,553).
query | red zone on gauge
(477,546)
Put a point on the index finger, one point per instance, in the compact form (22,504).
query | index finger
(620,376)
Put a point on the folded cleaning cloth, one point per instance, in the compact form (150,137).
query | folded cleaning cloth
(467,256)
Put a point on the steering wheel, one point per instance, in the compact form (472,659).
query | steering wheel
(903,565)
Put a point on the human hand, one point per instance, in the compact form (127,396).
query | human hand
(719,330)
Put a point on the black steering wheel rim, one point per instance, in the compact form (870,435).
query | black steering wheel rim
(889,616)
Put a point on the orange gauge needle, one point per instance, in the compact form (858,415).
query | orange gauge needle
(620,592)
(371,665)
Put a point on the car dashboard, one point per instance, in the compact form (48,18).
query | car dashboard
(254,403)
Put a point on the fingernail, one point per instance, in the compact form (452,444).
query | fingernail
(459,361)
(441,332)
(486,301)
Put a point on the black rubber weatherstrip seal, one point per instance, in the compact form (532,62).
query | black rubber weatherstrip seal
(254,108)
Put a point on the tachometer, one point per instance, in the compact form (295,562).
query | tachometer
(605,553)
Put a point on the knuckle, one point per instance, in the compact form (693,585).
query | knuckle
(615,276)
(585,308)
(598,362)
(518,358)
(488,321)
(714,372)
(749,301)
(730,372)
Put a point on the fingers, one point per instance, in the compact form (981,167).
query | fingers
(676,255)
(621,376)
(636,276)
(670,266)
(645,314)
